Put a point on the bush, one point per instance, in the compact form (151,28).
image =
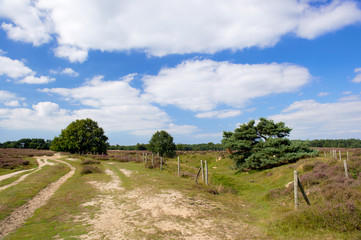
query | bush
(88,161)
(308,167)
(87,169)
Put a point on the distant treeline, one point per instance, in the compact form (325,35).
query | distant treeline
(38,143)
(335,143)
(180,147)
(29,143)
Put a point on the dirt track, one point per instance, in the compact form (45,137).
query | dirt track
(20,215)
(42,161)
(142,213)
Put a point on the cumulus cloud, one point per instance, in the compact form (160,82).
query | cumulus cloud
(72,53)
(17,70)
(202,85)
(219,114)
(323,94)
(13,68)
(36,80)
(44,115)
(310,119)
(349,98)
(117,107)
(30,24)
(10,99)
(66,71)
(327,18)
(161,27)
(357,79)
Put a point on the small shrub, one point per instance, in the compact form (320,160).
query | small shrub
(87,169)
(88,161)
(308,167)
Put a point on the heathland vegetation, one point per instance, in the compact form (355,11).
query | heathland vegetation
(250,191)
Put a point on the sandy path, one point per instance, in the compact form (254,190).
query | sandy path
(145,213)
(9,175)
(43,161)
(20,215)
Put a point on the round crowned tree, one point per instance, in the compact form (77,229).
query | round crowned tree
(162,143)
(81,136)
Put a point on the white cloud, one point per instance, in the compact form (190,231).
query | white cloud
(30,24)
(323,94)
(161,27)
(70,72)
(346,92)
(357,79)
(73,54)
(44,115)
(13,103)
(13,68)
(202,85)
(10,99)
(16,69)
(66,71)
(316,21)
(219,114)
(116,106)
(349,98)
(310,119)
(36,80)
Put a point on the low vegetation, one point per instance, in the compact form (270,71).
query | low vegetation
(12,159)
(263,197)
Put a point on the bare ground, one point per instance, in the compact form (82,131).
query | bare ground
(152,214)
(42,161)
(20,215)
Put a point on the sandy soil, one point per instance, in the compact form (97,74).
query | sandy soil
(143,213)
(20,215)
(42,161)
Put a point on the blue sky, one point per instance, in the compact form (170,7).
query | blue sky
(192,68)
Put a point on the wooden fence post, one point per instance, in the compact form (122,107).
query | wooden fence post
(295,188)
(303,192)
(178,167)
(161,163)
(339,153)
(202,169)
(152,159)
(199,170)
(206,166)
(345,166)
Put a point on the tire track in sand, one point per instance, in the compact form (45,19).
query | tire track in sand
(20,215)
(40,166)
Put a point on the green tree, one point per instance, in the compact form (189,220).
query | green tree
(263,145)
(162,143)
(81,136)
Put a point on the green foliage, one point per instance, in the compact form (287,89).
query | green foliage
(81,136)
(87,169)
(263,145)
(335,143)
(27,143)
(162,143)
(200,147)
